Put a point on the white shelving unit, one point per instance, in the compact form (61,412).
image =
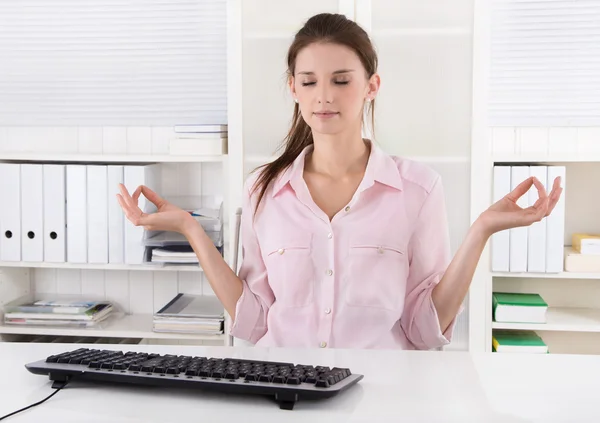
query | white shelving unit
(423,113)
(573,319)
(139,290)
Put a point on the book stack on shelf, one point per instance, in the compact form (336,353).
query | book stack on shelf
(518,341)
(536,248)
(191,314)
(512,307)
(58,312)
(171,248)
(584,253)
(199,140)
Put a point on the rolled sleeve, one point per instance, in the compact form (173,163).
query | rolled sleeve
(429,250)
(250,320)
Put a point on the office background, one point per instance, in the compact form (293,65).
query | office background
(100,83)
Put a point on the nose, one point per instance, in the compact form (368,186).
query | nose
(325,94)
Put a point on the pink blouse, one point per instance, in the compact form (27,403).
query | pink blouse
(363,279)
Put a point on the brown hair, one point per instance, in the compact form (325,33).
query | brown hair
(323,28)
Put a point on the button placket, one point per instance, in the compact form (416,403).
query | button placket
(327,289)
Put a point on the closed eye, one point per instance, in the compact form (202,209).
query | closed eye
(306,84)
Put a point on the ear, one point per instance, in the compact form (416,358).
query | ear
(292,87)
(373,86)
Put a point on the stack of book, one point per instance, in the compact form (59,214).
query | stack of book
(199,140)
(518,341)
(512,307)
(584,253)
(57,312)
(171,248)
(191,314)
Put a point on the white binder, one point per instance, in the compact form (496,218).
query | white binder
(555,225)
(518,236)
(134,176)
(116,216)
(500,242)
(10,213)
(536,237)
(32,212)
(55,241)
(97,214)
(76,214)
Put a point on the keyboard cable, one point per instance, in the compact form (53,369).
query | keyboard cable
(56,385)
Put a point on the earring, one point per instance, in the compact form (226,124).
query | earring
(296,100)
(368,100)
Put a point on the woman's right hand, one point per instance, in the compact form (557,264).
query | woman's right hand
(166,218)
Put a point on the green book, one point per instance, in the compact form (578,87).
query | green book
(513,307)
(520,341)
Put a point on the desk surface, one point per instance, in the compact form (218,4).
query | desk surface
(406,386)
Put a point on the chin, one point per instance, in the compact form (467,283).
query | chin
(327,128)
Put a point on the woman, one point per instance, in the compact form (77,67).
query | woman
(343,245)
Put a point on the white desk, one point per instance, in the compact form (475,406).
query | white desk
(399,386)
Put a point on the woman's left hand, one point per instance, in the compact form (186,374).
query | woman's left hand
(506,214)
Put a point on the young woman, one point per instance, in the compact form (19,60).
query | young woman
(343,245)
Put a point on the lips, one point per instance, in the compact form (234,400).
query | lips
(326,114)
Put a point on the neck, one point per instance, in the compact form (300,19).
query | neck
(338,155)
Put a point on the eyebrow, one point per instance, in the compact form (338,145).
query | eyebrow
(335,72)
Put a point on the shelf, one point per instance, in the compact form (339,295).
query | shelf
(547,158)
(91,266)
(105,158)
(130,326)
(561,275)
(565,319)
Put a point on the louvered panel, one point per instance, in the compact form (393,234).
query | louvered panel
(125,62)
(545,63)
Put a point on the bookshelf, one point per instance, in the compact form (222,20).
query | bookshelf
(423,113)
(573,318)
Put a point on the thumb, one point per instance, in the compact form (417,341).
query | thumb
(152,196)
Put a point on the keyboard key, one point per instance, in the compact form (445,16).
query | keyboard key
(322,383)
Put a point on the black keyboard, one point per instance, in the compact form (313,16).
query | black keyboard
(287,382)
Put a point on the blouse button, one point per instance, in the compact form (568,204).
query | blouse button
(329,272)
(347,209)
(323,344)
(281,251)
(380,250)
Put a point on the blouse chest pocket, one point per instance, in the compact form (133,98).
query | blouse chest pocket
(291,270)
(377,272)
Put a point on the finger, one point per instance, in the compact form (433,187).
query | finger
(542,194)
(127,209)
(152,196)
(554,200)
(520,189)
(125,195)
(136,195)
(554,194)
(133,214)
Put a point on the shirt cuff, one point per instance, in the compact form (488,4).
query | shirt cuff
(247,312)
(429,325)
